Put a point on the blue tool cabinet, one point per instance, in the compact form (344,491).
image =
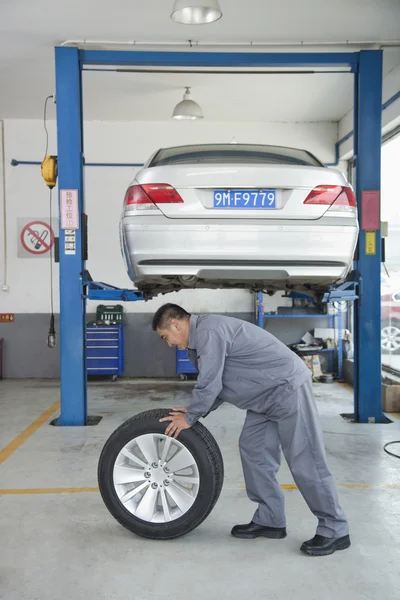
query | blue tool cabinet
(183,365)
(105,350)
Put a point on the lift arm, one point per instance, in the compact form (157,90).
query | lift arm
(97,290)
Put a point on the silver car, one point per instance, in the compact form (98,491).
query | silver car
(238,216)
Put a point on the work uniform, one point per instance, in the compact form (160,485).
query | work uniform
(246,366)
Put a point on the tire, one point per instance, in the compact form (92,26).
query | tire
(390,336)
(173,508)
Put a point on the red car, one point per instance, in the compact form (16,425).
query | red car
(390,332)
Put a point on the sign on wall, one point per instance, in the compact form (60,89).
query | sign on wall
(69,210)
(35,237)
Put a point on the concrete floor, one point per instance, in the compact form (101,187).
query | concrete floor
(60,543)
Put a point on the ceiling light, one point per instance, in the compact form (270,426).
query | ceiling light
(188,108)
(196,12)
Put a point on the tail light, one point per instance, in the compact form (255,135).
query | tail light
(135,195)
(162,193)
(150,194)
(334,196)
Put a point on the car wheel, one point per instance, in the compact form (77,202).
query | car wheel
(390,336)
(156,486)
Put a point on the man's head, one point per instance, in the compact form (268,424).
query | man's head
(172,324)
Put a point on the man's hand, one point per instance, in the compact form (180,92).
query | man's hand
(177,424)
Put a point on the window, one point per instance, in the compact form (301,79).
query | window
(390,277)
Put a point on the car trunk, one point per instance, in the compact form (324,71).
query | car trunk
(197,186)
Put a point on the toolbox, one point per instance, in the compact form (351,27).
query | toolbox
(105,350)
(183,364)
(111,314)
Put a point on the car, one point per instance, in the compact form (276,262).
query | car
(390,319)
(259,217)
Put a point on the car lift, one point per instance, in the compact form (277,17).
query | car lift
(344,292)
(75,284)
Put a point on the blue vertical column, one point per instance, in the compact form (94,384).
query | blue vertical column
(260,309)
(368,394)
(70,183)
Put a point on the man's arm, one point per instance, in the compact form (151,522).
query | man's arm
(216,405)
(211,354)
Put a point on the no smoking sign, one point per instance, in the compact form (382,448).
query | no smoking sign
(36,237)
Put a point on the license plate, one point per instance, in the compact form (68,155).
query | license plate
(245,199)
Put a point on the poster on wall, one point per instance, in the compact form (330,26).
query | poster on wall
(35,237)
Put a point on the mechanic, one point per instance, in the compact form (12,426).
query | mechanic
(246,366)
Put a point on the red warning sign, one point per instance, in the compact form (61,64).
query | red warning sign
(7,318)
(37,237)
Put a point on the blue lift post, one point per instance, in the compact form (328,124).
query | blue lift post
(72,305)
(367,314)
(365,65)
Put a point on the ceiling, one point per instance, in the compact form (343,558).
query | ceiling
(29,30)
(132,96)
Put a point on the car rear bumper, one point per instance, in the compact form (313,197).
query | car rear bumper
(159,247)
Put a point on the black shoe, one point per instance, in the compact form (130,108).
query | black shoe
(322,546)
(252,530)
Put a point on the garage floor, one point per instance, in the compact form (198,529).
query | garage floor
(59,541)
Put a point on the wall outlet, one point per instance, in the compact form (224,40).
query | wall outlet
(5,288)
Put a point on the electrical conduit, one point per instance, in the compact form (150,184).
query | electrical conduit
(4,286)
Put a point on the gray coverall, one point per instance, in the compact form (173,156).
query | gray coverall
(248,367)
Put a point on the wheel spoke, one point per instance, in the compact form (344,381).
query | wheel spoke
(129,495)
(167,446)
(148,448)
(166,511)
(182,498)
(140,463)
(133,458)
(181,460)
(126,474)
(146,508)
(182,479)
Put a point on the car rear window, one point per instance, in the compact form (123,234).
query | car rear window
(233,153)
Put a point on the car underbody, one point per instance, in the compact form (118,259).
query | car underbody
(166,285)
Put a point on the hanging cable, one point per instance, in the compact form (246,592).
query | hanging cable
(49,174)
(51,259)
(51,338)
(45,124)
(391,453)
(387,272)
(49,163)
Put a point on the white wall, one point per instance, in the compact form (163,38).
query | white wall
(27,196)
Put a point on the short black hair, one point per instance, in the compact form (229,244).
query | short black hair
(167,312)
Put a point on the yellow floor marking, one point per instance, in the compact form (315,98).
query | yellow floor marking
(355,486)
(30,430)
(369,486)
(284,486)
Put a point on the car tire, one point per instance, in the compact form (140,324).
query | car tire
(390,336)
(171,502)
